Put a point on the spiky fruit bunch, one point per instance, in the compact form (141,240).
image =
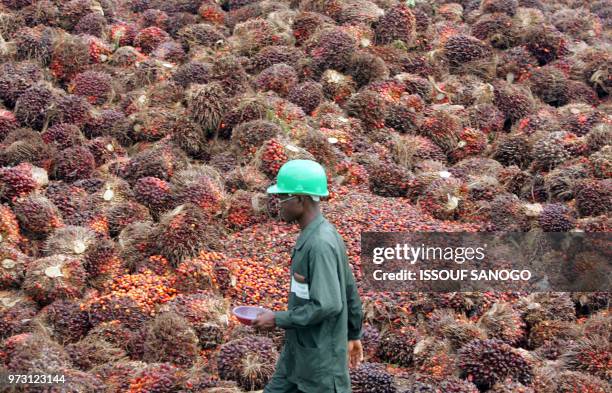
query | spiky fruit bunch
(63,136)
(593,197)
(273,157)
(398,23)
(148,39)
(389,179)
(34,43)
(72,109)
(551,85)
(96,87)
(192,72)
(369,107)
(16,78)
(307,95)
(601,163)
(91,352)
(202,187)
(12,267)
(70,240)
(32,107)
(206,105)
(486,117)
(444,198)
(108,122)
(230,72)
(161,161)
(545,332)
(432,357)
(337,87)
(590,355)
(366,68)
(105,149)
(550,150)
(246,209)
(206,313)
(471,142)
(397,346)
(504,323)
(371,376)
(122,33)
(250,136)
(21,180)
(442,128)
(401,118)
(572,381)
(55,277)
(540,307)
(513,101)
(330,48)
(487,362)
(93,24)
(33,352)
(154,193)
(497,29)
(255,34)
(513,150)
(169,338)
(201,34)
(460,49)
(37,214)
(67,322)
(409,150)
(125,213)
(249,361)
(17,312)
(280,78)
(506,6)
(8,123)
(274,54)
(546,43)
(182,232)
(556,217)
(74,163)
(25,145)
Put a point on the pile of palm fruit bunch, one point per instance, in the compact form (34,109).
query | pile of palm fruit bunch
(137,139)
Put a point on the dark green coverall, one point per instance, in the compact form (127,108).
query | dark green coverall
(318,324)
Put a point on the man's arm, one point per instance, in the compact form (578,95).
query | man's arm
(355,313)
(324,292)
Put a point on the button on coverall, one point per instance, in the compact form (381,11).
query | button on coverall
(324,312)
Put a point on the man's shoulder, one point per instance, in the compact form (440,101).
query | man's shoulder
(325,236)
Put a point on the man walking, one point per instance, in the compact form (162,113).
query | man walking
(323,321)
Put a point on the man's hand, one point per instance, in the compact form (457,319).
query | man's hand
(355,353)
(265,320)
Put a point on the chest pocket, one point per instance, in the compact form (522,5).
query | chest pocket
(299,289)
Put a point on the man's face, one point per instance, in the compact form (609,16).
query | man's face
(291,207)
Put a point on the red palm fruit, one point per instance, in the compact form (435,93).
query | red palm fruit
(37,214)
(17,312)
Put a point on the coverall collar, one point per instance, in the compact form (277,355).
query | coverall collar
(306,232)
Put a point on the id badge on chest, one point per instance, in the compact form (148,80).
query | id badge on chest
(300,289)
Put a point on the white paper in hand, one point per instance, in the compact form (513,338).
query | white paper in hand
(300,289)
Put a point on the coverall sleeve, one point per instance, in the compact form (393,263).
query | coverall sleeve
(324,292)
(355,313)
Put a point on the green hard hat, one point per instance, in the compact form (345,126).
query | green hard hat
(300,177)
